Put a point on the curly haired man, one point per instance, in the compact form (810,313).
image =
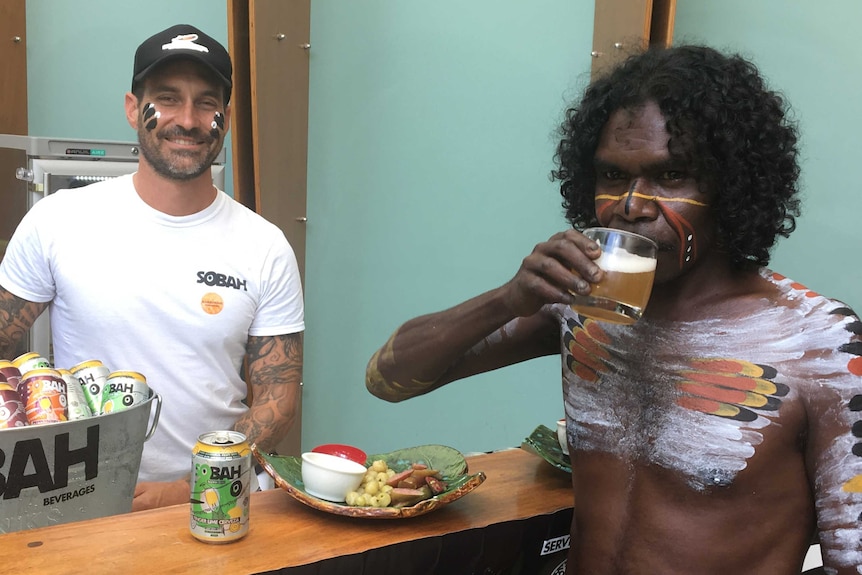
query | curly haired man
(721,432)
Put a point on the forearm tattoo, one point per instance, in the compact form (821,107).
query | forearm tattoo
(275,374)
(16,318)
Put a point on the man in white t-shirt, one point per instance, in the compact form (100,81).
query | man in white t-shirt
(161,273)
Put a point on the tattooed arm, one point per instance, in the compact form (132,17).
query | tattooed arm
(274,373)
(16,318)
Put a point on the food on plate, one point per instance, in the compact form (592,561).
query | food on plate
(456,480)
(384,487)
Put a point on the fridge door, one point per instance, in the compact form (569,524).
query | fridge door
(50,175)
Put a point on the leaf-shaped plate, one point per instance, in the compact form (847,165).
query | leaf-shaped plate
(544,443)
(286,470)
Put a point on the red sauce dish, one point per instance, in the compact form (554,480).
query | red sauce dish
(343,451)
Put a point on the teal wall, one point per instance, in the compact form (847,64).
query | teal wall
(79,61)
(431,135)
(430,144)
(809,51)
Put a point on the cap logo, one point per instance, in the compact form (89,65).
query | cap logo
(184,42)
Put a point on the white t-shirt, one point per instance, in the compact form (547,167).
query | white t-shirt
(174,298)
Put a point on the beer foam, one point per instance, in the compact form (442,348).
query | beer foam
(619,260)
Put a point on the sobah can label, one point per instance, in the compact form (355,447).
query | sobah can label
(12,412)
(43,393)
(30,361)
(76,400)
(122,390)
(92,375)
(220,487)
(9,373)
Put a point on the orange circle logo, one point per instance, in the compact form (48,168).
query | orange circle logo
(212,303)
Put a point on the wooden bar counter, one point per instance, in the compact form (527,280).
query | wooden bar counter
(285,534)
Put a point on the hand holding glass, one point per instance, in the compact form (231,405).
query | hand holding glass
(628,261)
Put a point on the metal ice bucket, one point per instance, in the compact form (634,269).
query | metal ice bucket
(75,470)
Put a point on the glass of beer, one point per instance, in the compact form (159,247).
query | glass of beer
(628,261)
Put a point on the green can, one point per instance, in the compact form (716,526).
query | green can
(220,487)
(77,406)
(91,374)
(30,361)
(122,390)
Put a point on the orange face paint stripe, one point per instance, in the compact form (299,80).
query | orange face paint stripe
(683,230)
(602,208)
(658,199)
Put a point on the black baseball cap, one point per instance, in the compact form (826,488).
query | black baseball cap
(183,41)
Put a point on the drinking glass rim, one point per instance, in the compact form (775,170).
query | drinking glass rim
(623,232)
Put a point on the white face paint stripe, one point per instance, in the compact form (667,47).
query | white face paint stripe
(151,116)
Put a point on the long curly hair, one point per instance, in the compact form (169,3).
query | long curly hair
(733,133)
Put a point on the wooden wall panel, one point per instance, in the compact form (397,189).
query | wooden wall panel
(269,43)
(242,137)
(280,31)
(13,67)
(625,27)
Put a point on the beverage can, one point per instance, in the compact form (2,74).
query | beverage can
(30,361)
(76,400)
(92,374)
(220,487)
(43,393)
(122,390)
(9,373)
(12,413)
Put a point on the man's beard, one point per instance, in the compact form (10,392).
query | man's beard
(165,166)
